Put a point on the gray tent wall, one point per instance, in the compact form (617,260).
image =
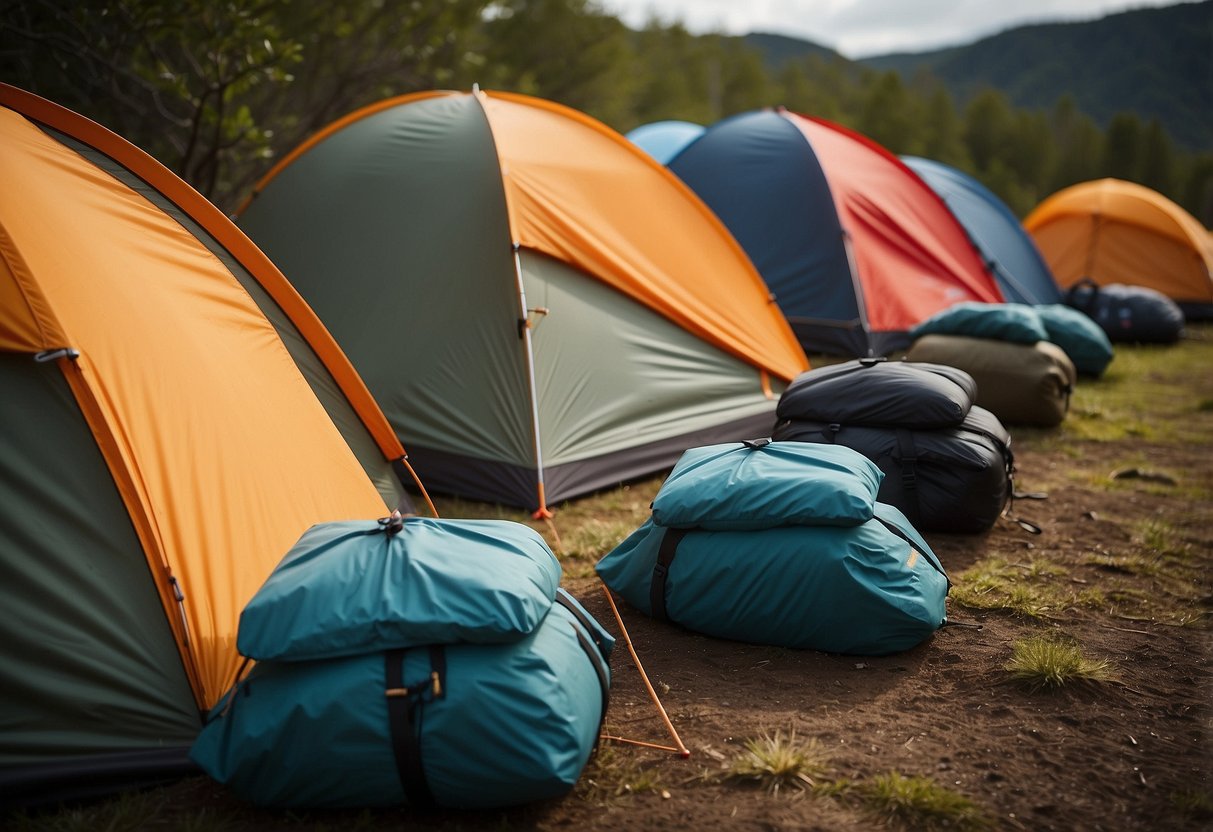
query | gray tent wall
(395,231)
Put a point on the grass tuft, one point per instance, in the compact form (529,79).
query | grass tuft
(920,803)
(1048,663)
(778,760)
(613,772)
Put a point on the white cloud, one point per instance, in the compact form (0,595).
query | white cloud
(867,27)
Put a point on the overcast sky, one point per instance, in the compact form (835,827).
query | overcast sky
(860,28)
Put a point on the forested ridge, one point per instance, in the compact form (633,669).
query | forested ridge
(219,91)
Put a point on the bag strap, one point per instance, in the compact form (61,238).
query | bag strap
(665,556)
(908,457)
(404,707)
(593,651)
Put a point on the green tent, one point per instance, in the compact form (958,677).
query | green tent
(541,308)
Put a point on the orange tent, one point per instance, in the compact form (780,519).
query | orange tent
(175,417)
(1113,231)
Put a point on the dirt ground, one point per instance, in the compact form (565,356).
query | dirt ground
(1132,752)
(1117,755)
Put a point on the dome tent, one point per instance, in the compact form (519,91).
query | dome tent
(1110,231)
(1022,274)
(174,418)
(856,247)
(537,304)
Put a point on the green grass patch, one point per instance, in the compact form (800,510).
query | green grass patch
(1194,804)
(919,803)
(780,760)
(1034,589)
(134,812)
(1119,406)
(613,772)
(1052,663)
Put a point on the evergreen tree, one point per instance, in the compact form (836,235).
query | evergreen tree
(1122,147)
(1157,168)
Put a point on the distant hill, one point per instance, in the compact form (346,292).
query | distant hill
(1156,63)
(777,49)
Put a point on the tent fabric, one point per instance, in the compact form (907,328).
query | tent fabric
(174,445)
(663,140)
(855,247)
(536,304)
(1012,256)
(1116,232)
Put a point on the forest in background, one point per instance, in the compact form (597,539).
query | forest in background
(218,90)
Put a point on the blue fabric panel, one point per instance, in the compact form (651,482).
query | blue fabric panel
(516,723)
(1015,322)
(860,590)
(1005,245)
(1087,345)
(663,140)
(348,588)
(739,486)
(757,172)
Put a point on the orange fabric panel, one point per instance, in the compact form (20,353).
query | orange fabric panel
(901,232)
(221,451)
(234,240)
(1065,244)
(1132,235)
(27,323)
(581,193)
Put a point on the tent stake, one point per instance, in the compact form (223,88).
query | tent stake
(681,749)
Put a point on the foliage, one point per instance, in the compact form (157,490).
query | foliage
(220,91)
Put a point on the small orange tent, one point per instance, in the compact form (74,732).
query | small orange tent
(1113,231)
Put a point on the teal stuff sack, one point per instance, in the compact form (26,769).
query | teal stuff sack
(760,484)
(872,589)
(504,724)
(1015,322)
(352,587)
(1083,340)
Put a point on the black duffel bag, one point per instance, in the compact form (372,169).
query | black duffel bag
(947,463)
(1128,314)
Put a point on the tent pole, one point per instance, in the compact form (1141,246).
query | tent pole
(679,749)
(857,288)
(524,329)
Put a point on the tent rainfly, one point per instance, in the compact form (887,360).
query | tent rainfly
(540,307)
(1117,232)
(1009,251)
(174,418)
(856,248)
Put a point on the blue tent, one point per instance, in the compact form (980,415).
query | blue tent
(854,246)
(1012,256)
(663,140)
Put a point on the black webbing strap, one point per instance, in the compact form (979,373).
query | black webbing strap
(403,704)
(665,556)
(909,459)
(593,651)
